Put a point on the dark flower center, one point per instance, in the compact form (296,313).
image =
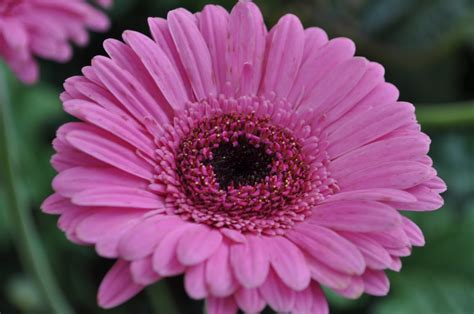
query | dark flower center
(240,163)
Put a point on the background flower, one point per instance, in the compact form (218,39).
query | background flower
(43,28)
(418,58)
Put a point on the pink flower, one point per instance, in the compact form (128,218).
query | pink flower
(105,3)
(259,164)
(43,28)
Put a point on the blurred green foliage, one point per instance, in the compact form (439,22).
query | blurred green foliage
(427,47)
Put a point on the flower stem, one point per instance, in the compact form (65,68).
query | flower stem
(446,115)
(27,240)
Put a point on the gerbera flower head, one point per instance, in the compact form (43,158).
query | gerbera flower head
(261,165)
(44,28)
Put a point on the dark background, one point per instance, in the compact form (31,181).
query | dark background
(427,48)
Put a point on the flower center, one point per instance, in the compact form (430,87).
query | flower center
(240,164)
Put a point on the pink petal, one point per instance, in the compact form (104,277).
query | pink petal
(27,70)
(99,95)
(303,302)
(368,126)
(195,281)
(219,277)
(289,263)
(102,146)
(436,184)
(413,232)
(311,300)
(193,52)
(357,216)
(221,305)
(165,262)
(368,82)
(250,262)
(320,242)
(95,19)
(384,94)
(315,38)
(55,204)
(118,197)
(277,294)
(282,64)
(324,60)
(320,304)
(129,61)
(90,73)
(376,282)
(249,300)
(107,244)
(198,244)
(71,218)
(128,91)
(214,27)
(17,36)
(233,235)
(401,251)
(375,255)
(162,36)
(394,149)
(117,286)
(143,273)
(74,180)
(427,199)
(163,72)
(396,264)
(96,225)
(68,156)
(375,194)
(393,238)
(71,90)
(336,86)
(245,47)
(119,126)
(394,175)
(326,275)
(354,290)
(141,240)
(48,47)
(105,3)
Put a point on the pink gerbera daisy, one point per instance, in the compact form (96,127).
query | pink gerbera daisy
(43,28)
(259,165)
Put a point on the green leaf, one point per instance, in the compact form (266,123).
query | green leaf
(427,292)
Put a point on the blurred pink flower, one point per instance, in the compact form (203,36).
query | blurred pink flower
(259,165)
(43,28)
(105,3)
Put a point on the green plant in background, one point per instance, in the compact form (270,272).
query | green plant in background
(428,50)
(26,239)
